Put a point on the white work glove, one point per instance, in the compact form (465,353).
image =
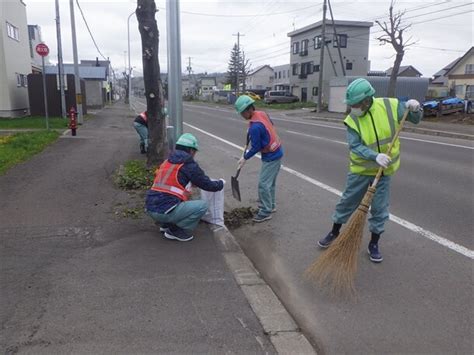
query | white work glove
(223,181)
(383,160)
(412,105)
(241,163)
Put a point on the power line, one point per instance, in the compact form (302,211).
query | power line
(223,15)
(88,29)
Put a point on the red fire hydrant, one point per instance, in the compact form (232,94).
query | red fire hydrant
(72,121)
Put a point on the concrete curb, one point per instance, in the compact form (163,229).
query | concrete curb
(284,333)
(427,131)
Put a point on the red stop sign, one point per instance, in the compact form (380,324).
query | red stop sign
(42,49)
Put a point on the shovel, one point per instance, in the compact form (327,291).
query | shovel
(234,182)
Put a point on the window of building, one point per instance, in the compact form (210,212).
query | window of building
(276,75)
(295,69)
(296,47)
(317,42)
(31,31)
(469,69)
(13,32)
(284,72)
(315,91)
(279,75)
(304,47)
(340,40)
(316,68)
(21,80)
(470,91)
(459,90)
(348,66)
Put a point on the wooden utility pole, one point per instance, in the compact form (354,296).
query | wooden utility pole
(338,44)
(157,148)
(321,59)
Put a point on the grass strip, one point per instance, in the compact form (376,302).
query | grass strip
(33,122)
(20,147)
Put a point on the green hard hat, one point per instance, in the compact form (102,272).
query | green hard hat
(357,91)
(188,140)
(242,103)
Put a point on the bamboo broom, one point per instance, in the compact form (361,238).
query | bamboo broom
(337,266)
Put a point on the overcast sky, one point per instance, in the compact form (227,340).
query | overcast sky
(443,29)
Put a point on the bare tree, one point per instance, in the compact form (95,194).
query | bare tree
(157,148)
(393,34)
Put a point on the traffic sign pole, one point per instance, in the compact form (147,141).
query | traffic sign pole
(45,96)
(43,50)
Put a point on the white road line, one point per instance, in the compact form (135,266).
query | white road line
(315,137)
(441,143)
(343,128)
(404,223)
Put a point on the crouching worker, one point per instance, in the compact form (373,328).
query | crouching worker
(167,202)
(141,126)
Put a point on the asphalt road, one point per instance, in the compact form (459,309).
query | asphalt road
(433,188)
(419,300)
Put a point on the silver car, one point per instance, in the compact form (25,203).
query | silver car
(279,97)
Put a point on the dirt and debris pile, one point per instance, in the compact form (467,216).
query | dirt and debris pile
(238,216)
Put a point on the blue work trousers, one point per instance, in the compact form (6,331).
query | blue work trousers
(266,186)
(356,187)
(186,215)
(142,131)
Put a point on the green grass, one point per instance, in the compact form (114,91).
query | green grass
(135,176)
(20,147)
(32,122)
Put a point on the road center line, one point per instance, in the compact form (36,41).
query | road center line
(315,137)
(404,223)
(340,128)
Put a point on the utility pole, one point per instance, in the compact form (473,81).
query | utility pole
(174,67)
(321,59)
(189,68)
(60,62)
(77,79)
(238,70)
(129,65)
(338,44)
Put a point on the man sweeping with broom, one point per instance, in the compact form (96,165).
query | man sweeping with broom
(371,127)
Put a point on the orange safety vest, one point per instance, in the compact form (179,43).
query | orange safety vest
(144,116)
(166,180)
(275,142)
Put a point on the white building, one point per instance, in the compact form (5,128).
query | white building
(352,39)
(260,78)
(15,59)
(281,78)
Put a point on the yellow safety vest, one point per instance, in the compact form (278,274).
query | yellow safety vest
(385,119)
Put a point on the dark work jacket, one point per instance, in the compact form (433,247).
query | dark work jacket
(160,202)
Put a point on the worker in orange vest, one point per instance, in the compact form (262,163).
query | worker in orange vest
(265,140)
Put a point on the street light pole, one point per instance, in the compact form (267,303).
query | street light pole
(129,66)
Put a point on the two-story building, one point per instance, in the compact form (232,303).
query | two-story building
(461,76)
(261,78)
(281,77)
(15,59)
(352,39)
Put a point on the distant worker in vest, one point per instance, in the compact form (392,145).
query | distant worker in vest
(371,125)
(167,202)
(141,126)
(264,139)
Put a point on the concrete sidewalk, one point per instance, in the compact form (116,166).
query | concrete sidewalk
(78,277)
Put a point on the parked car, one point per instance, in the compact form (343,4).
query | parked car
(272,97)
(253,95)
